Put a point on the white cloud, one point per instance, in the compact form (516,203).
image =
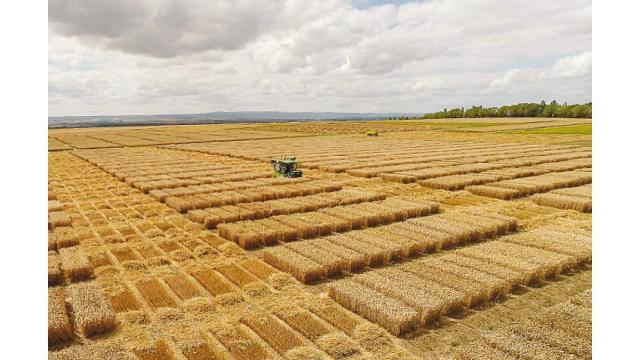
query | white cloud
(159,56)
(570,66)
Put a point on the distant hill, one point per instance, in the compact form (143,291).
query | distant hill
(217,117)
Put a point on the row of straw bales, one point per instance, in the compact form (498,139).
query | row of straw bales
(286,228)
(207,200)
(509,189)
(160,195)
(212,217)
(352,251)
(576,198)
(417,292)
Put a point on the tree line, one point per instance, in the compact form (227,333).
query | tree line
(542,109)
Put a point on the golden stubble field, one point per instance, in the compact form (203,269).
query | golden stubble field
(455,239)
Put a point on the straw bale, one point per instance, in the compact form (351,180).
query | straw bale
(553,241)
(75,264)
(55,205)
(510,223)
(236,274)
(58,219)
(396,251)
(495,285)
(212,281)
(196,348)
(65,236)
(304,229)
(339,346)
(301,267)
(332,313)
(92,314)
(55,273)
(561,201)
(122,300)
(429,306)
(580,191)
(154,350)
(305,353)
(458,233)
(373,338)
(258,268)
(59,326)
(154,293)
(180,204)
(357,219)
(495,192)
(273,331)
(505,273)
(355,260)
(401,178)
(375,255)
(304,322)
(238,343)
(428,239)
(391,314)
(182,286)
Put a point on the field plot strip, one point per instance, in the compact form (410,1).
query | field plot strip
(574,198)
(285,228)
(311,260)
(460,278)
(460,181)
(515,188)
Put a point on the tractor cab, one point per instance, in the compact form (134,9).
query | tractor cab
(287,167)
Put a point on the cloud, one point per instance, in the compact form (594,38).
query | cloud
(570,66)
(163,28)
(151,56)
(566,67)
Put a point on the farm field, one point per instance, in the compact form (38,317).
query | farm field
(448,239)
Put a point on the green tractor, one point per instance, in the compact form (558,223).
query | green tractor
(287,167)
(372,132)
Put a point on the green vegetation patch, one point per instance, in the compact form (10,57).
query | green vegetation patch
(584,129)
(451,124)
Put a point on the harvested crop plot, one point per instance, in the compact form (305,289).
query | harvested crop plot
(288,189)
(421,290)
(284,228)
(312,260)
(578,198)
(212,217)
(461,181)
(150,169)
(561,331)
(380,236)
(510,189)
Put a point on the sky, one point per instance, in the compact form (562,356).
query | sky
(121,57)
